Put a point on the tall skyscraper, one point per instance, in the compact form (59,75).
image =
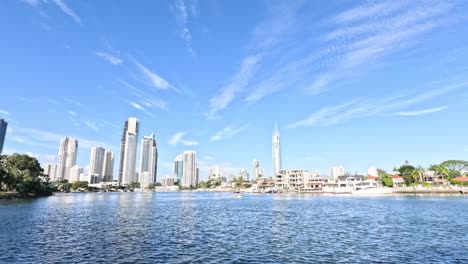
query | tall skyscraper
(276,151)
(67,157)
(255,170)
(108,167)
(3,129)
(337,171)
(179,168)
(148,161)
(189,169)
(51,171)
(96,162)
(128,151)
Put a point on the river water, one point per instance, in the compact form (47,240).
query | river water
(188,227)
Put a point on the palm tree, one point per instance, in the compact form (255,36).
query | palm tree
(417,173)
(439,170)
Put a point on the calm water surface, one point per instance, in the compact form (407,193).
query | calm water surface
(187,227)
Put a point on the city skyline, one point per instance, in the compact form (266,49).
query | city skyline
(199,86)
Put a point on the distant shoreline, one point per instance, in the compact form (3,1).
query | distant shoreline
(15,195)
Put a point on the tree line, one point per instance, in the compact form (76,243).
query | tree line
(23,174)
(447,170)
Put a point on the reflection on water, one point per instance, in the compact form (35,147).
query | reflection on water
(183,227)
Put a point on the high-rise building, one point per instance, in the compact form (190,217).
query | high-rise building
(337,171)
(51,171)
(261,172)
(216,173)
(74,173)
(128,151)
(179,168)
(148,161)
(244,174)
(108,167)
(96,162)
(255,170)
(276,151)
(189,169)
(3,129)
(67,157)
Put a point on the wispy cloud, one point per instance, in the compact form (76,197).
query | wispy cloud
(60,3)
(93,125)
(34,137)
(237,84)
(140,107)
(4,112)
(67,10)
(360,108)
(358,37)
(108,57)
(34,3)
(146,99)
(227,132)
(153,79)
(377,30)
(423,112)
(178,138)
(76,103)
(266,37)
(183,15)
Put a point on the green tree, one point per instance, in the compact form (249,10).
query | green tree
(385,178)
(23,174)
(455,167)
(439,170)
(417,174)
(79,185)
(239,181)
(406,171)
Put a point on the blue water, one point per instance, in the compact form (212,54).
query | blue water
(188,227)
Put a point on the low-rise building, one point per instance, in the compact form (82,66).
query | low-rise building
(397,180)
(298,180)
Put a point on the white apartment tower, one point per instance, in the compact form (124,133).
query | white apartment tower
(51,171)
(276,151)
(74,173)
(148,161)
(337,171)
(67,157)
(128,151)
(96,162)
(190,177)
(108,167)
(255,170)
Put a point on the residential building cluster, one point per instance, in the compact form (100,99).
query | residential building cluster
(101,163)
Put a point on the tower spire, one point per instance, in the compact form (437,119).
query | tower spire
(276,126)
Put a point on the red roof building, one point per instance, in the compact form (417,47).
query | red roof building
(461,179)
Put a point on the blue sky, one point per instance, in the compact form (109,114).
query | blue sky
(357,84)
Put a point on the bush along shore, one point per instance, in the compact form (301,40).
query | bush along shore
(22,177)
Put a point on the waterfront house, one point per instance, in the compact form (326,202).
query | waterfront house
(430,178)
(397,180)
(463,179)
(299,181)
(372,178)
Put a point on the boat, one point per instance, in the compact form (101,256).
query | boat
(237,195)
(371,187)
